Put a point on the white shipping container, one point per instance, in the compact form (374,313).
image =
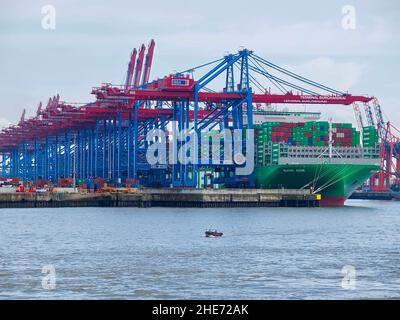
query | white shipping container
(64,190)
(8,190)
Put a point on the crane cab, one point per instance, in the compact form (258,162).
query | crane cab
(174,83)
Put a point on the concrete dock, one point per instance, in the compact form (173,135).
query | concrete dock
(225,198)
(201,198)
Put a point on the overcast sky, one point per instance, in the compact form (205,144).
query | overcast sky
(93,39)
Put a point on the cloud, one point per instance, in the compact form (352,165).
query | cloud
(4,123)
(187,29)
(342,76)
(93,39)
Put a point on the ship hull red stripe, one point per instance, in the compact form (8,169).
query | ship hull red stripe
(332,201)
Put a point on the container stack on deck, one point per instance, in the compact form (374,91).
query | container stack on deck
(269,135)
(313,133)
(370,136)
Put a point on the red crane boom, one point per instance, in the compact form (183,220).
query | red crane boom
(148,62)
(131,69)
(139,66)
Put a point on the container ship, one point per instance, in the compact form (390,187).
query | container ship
(294,150)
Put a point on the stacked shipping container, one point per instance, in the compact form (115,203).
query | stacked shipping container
(313,133)
(370,136)
(269,135)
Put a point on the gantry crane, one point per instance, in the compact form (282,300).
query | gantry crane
(107,138)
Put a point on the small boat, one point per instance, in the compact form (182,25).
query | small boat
(213,233)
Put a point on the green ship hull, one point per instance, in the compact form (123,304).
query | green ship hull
(335,182)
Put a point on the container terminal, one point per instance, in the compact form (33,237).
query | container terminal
(212,135)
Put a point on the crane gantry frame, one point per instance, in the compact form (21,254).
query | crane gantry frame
(107,138)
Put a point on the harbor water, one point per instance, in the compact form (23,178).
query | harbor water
(162,253)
